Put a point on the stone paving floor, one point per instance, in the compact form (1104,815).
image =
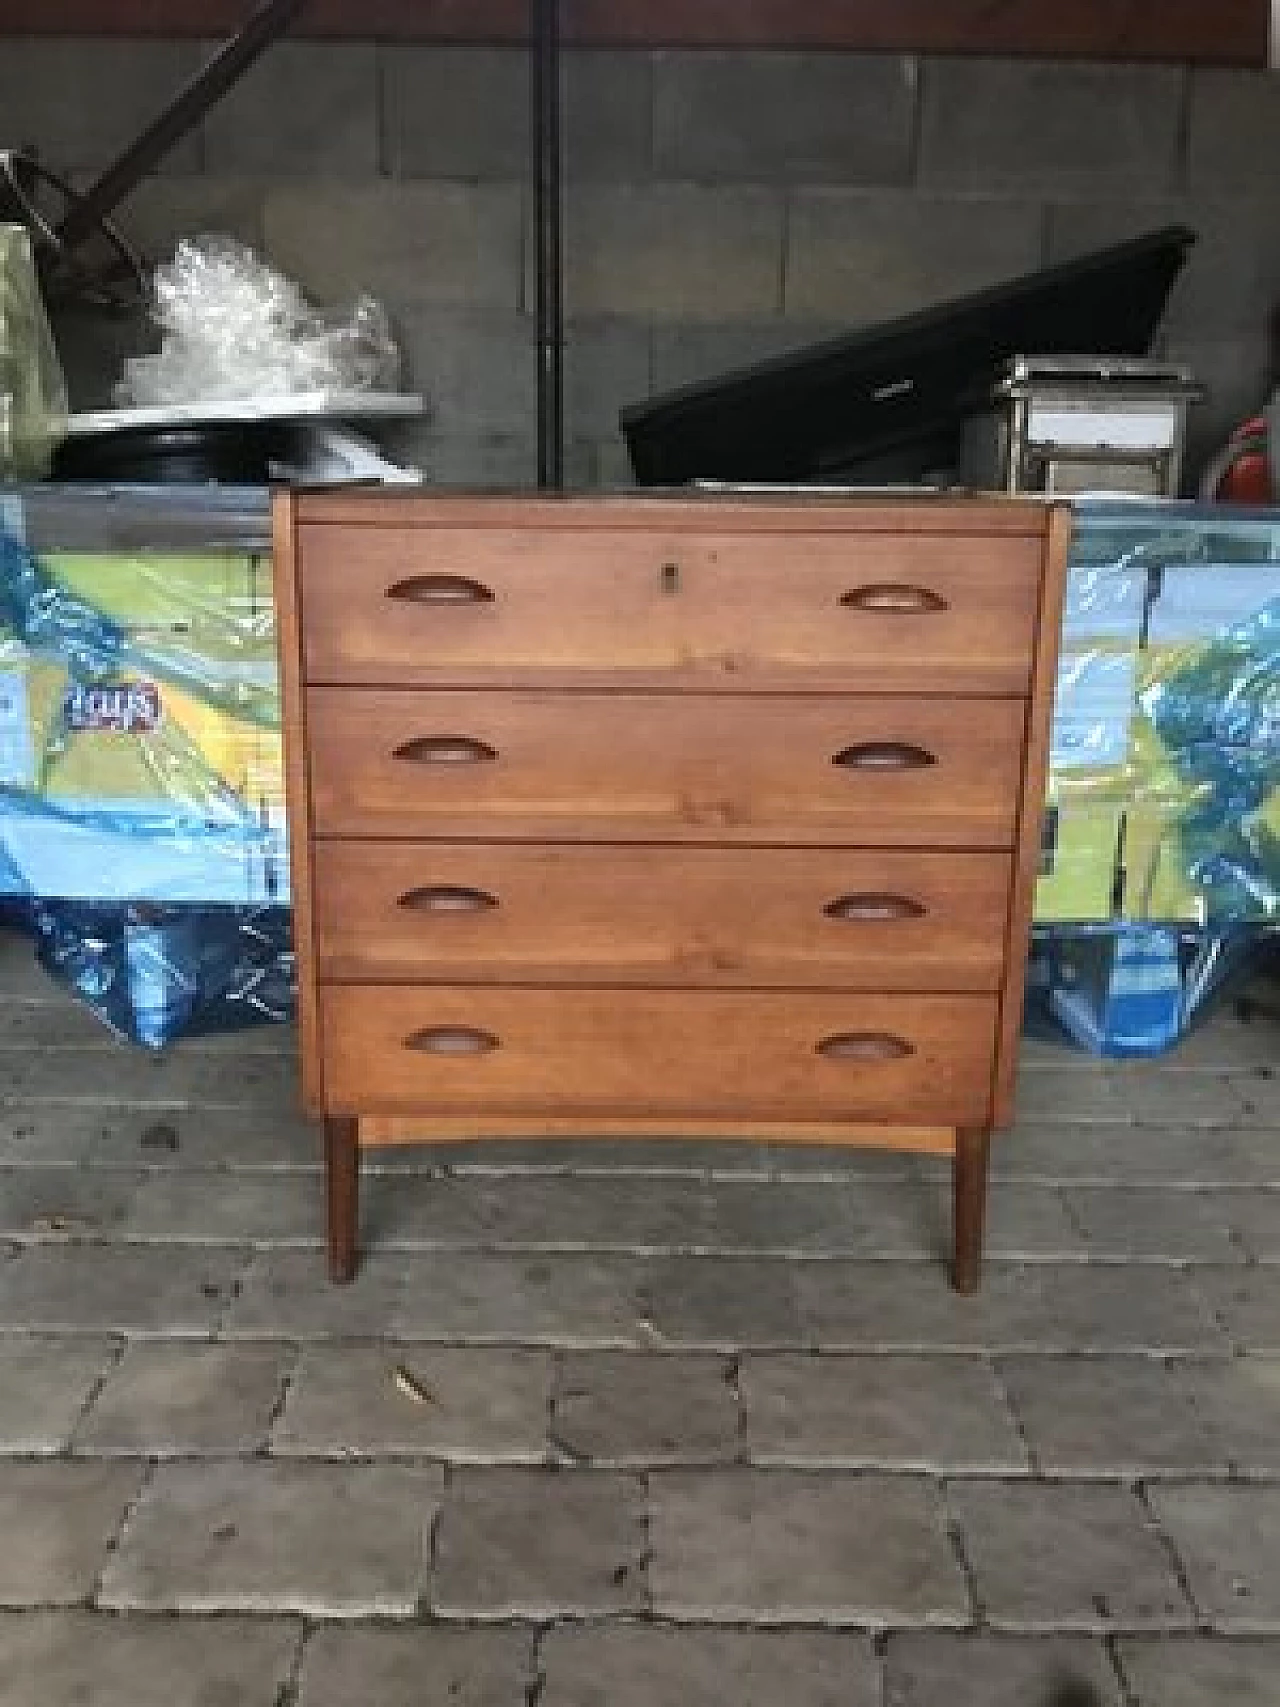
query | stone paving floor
(681,1425)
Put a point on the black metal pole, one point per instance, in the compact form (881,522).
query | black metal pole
(547,216)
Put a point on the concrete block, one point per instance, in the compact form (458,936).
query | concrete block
(784,117)
(63,1658)
(405,1667)
(186,1400)
(745,1546)
(606,365)
(1028,1307)
(58,1520)
(44,1386)
(328,1540)
(477,371)
(998,124)
(674,251)
(1193,1670)
(1156,1225)
(117,1288)
(540,1544)
(80,100)
(608,116)
(634,1666)
(455,111)
(410,244)
(306,109)
(688,355)
(162,210)
(475,1406)
(640,1410)
(863,257)
(1234,137)
(1105,1569)
(942,1414)
(937,1669)
(1228,1539)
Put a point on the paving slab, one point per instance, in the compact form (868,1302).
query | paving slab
(231,1207)
(332,1541)
(1144,1224)
(938,1669)
(1120,1416)
(535,1299)
(394,1399)
(1060,1557)
(117,1288)
(635,1666)
(382,1666)
(116,1133)
(721,1303)
(632,1408)
(1201,1672)
(781,1547)
(1246,1301)
(58,1520)
(44,1386)
(1153,1096)
(1228,1539)
(288,1295)
(74,1659)
(1140,1155)
(540,1544)
(58,1203)
(169,1400)
(879,1412)
(1027,1306)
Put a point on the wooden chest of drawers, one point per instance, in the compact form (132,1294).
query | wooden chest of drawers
(665,816)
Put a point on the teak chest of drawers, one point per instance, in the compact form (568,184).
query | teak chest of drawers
(664,816)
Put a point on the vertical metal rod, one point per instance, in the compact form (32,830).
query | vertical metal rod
(545,59)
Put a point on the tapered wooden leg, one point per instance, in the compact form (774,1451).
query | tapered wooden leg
(342,1192)
(973,1151)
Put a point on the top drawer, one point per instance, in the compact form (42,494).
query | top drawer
(487,605)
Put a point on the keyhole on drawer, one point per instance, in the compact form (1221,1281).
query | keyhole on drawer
(671,578)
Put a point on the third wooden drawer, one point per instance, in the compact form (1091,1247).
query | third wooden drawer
(891,919)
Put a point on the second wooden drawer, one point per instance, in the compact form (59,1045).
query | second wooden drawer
(804,917)
(815,768)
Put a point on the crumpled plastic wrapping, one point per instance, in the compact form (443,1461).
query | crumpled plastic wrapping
(233,327)
(1161,851)
(33,392)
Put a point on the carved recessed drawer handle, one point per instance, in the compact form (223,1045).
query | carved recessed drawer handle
(897,598)
(447,898)
(874,909)
(445,750)
(864,1046)
(452,1040)
(885,756)
(441,590)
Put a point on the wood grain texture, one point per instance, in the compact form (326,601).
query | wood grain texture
(285,571)
(488,605)
(647,512)
(660,767)
(1234,32)
(668,1054)
(700,916)
(379,1130)
(1035,771)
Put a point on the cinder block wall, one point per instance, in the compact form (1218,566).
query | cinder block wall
(719,206)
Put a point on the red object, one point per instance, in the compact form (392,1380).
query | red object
(1241,473)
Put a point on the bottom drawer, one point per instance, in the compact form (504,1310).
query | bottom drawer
(666,1053)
